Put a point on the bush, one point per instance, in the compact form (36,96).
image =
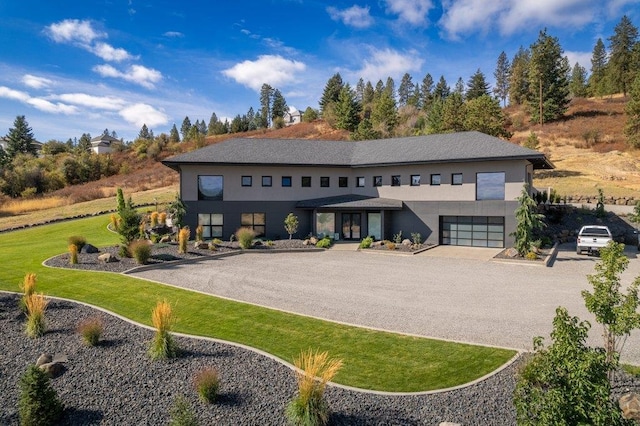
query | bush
(366,242)
(39,403)
(162,218)
(391,246)
(91,330)
(154,219)
(245,237)
(163,346)
(531,256)
(199,233)
(417,238)
(207,384)
(325,242)
(397,238)
(181,413)
(217,241)
(140,250)
(129,225)
(183,239)
(73,254)
(123,251)
(36,305)
(78,241)
(28,287)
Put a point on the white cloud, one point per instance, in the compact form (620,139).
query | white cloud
(36,82)
(389,62)
(583,58)
(138,74)
(412,11)
(270,69)
(110,53)
(355,16)
(38,103)
(73,31)
(176,34)
(140,114)
(110,103)
(15,95)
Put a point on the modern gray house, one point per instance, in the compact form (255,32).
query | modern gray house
(457,188)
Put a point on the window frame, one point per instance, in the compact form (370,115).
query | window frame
(414,181)
(360,182)
(286,179)
(396,180)
(259,228)
(453,178)
(435,179)
(243,183)
(377,181)
(343,182)
(325,182)
(305,181)
(202,196)
(208,228)
(265,179)
(501,190)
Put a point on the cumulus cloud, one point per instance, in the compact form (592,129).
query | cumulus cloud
(110,103)
(140,114)
(38,103)
(36,82)
(271,69)
(467,16)
(355,16)
(138,74)
(413,12)
(389,62)
(16,95)
(110,53)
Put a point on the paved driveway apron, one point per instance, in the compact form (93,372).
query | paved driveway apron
(443,294)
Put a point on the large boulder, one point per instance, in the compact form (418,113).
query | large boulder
(43,359)
(630,405)
(53,369)
(107,258)
(89,249)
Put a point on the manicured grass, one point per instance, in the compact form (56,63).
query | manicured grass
(372,359)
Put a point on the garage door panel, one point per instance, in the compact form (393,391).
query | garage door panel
(476,231)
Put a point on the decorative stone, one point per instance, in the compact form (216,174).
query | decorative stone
(165,239)
(306,242)
(630,405)
(313,241)
(449,424)
(200,245)
(89,249)
(44,359)
(107,258)
(53,369)
(406,242)
(511,252)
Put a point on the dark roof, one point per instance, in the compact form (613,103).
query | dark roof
(105,138)
(351,201)
(451,147)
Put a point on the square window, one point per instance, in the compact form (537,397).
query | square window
(247,180)
(490,186)
(210,188)
(306,181)
(324,181)
(435,179)
(456,179)
(266,180)
(360,181)
(286,181)
(395,180)
(415,180)
(343,182)
(377,181)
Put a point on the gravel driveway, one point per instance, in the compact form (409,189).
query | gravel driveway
(463,299)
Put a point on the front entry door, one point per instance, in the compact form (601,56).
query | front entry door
(351,226)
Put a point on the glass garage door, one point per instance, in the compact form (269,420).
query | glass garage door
(475,231)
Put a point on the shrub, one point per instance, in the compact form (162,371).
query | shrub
(291,224)
(366,242)
(531,256)
(78,241)
(269,243)
(162,218)
(154,219)
(325,242)
(314,371)
(417,238)
(129,225)
(183,239)
(181,413)
(199,232)
(39,403)
(207,384)
(73,254)
(28,287)
(36,305)
(114,222)
(245,237)
(140,250)
(391,246)
(216,241)
(123,251)
(91,330)
(397,238)
(163,346)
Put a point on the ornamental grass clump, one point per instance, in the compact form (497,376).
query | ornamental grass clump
(39,403)
(181,413)
(73,254)
(163,346)
(36,305)
(199,233)
(162,218)
(207,384)
(78,241)
(140,250)
(154,219)
(91,330)
(245,237)
(309,407)
(28,287)
(183,239)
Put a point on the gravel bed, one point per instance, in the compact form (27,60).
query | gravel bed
(115,383)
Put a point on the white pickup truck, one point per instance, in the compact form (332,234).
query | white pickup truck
(593,238)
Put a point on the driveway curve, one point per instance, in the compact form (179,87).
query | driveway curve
(432,294)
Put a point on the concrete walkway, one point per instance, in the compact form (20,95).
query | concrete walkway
(447,293)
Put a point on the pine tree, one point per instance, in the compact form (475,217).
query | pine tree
(390,88)
(453,113)
(597,85)
(442,89)
(519,77)
(477,86)
(186,126)
(266,95)
(368,94)
(84,143)
(20,139)
(202,127)
(347,110)
(384,115)
(360,90)
(279,105)
(405,90)
(331,92)
(501,74)
(174,136)
(426,92)
(632,125)
(621,46)
(483,114)
(144,133)
(211,127)
(578,84)
(527,220)
(459,87)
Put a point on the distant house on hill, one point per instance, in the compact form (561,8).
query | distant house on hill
(293,116)
(103,144)
(4,144)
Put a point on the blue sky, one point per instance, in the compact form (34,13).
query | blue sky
(80,66)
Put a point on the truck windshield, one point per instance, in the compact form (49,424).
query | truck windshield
(599,232)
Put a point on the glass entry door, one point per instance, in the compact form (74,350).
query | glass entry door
(351,226)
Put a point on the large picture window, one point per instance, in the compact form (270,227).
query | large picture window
(211,224)
(210,188)
(490,186)
(255,221)
(325,224)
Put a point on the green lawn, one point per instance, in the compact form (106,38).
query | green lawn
(372,359)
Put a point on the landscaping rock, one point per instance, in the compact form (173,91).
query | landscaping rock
(44,359)
(53,369)
(407,242)
(630,405)
(88,249)
(511,252)
(200,245)
(107,258)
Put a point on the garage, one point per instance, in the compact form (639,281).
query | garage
(474,231)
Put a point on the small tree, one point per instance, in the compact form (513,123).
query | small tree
(527,221)
(291,224)
(615,311)
(39,403)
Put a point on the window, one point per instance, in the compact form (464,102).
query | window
(435,179)
(415,180)
(377,181)
(456,179)
(255,221)
(247,180)
(343,182)
(325,224)
(490,186)
(395,180)
(266,180)
(306,181)
(286,181)
(210,188)
(360,181)
(324,181)
(211,224)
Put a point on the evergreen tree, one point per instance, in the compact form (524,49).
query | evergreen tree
(368,94)
(266,95)
(405,90)
(384,114)
(598,69)
(20,139)
(331,92)
(477,86)
(390,88)
(174,136)
(414,98)
(484,114)
(519,77)
(434,119)
(379,89)
(578,84)
(621,46)
(501,74)
(442,89)
(211,127)
(252,122)
(144,133)
(84,143)
(548,80)
(453,113)
(279,105)
(527,221)
(632,125)
(186,126)
(426,92)
(309,115)
(202,127)
(365,132)
(360,90)
(459,87)
(347,110)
